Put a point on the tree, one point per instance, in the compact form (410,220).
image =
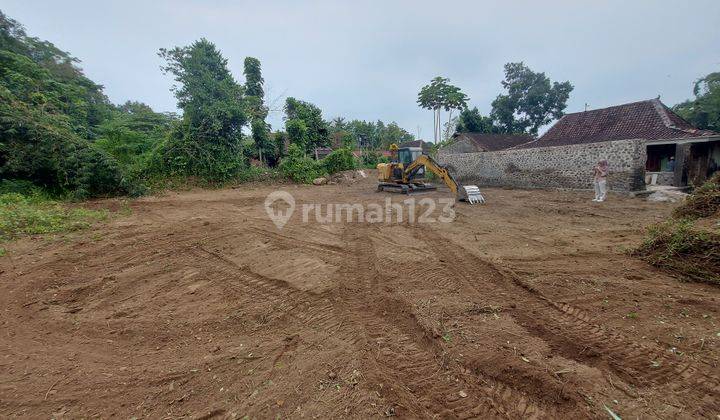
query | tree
(305,125)
(532,100)
(207,142)
(439,95)
(48,111)
(471,121)
(704,111)
(258,111)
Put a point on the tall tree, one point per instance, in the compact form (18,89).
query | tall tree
(207,143)
(439,95)
(703,111)
(531,101)
(258,110)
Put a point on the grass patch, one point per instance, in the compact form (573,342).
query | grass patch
(36,213)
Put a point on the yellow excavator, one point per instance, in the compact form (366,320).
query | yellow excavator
(406,172)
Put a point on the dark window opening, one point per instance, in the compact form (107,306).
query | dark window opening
(658,158)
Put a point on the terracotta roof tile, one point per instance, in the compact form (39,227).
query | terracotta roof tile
(650,120)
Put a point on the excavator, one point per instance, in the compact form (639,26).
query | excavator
(406,171)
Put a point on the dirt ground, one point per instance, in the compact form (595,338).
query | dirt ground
(196,305)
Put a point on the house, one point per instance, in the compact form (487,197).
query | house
(667,137)
(484,142)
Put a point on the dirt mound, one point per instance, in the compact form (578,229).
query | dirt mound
(348,177)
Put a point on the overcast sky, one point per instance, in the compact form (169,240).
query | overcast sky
(368,59)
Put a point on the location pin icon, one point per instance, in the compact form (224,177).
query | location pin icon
(278,216)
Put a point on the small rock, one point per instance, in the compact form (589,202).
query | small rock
(320,181)
(462,394)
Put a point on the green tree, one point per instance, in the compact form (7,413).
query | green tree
(48,111)
(208,140)
(258,110)
(531,101)
(439,95)
(704,111)
(305,125)
(471,121)
(133,131)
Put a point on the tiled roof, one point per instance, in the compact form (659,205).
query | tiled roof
(484,142)
(650,120)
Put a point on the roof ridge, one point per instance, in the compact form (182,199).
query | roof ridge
(612,106)
(662,110)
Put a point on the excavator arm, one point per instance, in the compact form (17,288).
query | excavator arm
(469,193)
(433,166)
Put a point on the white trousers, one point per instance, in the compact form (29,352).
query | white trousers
(600,189)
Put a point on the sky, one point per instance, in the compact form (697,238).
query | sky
(368,59)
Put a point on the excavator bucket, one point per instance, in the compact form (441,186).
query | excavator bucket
(471,194)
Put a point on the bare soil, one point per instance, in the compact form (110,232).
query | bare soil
(196,305)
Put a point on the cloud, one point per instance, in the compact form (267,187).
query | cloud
(368,59)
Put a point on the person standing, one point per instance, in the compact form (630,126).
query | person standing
(600,180)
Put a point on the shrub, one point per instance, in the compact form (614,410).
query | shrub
(678,246)
(340,160)
(703,202)
(299,167)
(370,159)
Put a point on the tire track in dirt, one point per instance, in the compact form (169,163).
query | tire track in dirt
(571,332)
(427,380)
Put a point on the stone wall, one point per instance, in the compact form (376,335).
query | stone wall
(663,178)
(553,167)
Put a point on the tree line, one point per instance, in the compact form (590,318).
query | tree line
(531,100)
(59,130)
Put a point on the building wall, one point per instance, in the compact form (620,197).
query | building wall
(663,178)
(553,167)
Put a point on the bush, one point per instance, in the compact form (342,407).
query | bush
(339,160)
(299,167)
(370,159)
(42,148)
(703,202)
(678,246)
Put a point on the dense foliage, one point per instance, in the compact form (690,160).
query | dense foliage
(48,112)
(703,111)
(531,101)
(367,134)
(207,141)
(297,166)
(471,121)
(305,125)
(340,160)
